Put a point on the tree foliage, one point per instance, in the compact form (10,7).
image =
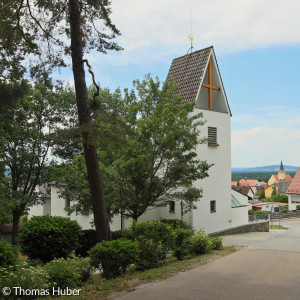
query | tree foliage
(28,126)
(51,32)
(41,30)
(147,149)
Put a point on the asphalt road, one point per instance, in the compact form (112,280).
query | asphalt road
(268,268)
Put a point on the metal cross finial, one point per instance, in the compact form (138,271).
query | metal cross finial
(191,37)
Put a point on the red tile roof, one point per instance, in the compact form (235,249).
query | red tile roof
(262,183)
(288,177)
(248,182)
(234,183)
(294,187)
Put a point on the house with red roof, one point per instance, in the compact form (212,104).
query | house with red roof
(293,192)
(253,183)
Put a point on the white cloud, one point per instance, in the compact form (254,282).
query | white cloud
(231,25)
(264,145)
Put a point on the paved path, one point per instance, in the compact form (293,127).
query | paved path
(269,268)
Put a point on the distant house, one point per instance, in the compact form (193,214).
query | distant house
(293,192)
(281,176)
(249,182)
(262,183)
(269,206)
(253,183)
(233,183)
(269,190)
(283,186)
(242,193)
(245,190)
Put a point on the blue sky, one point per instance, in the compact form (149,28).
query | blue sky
(257,44)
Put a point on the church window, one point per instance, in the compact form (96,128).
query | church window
(212,136)
(213,206)
(172,206)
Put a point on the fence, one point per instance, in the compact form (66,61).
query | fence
(258,218)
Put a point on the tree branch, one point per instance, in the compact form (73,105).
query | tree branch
(7,5)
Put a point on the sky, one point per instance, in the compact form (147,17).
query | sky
(257,44)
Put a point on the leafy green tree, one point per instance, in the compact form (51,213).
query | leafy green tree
(149,154)
(28,126)
(279,198)
(261,194)
(274,191)
(53,32)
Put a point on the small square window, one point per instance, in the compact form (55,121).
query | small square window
(172,206)
(213,206)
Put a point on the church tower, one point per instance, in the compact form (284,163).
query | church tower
(281,172)
(199,80)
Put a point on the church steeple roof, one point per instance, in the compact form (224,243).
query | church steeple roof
(189,71)
(281,167)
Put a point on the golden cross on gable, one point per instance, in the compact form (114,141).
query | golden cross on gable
(210,85)
(191,37)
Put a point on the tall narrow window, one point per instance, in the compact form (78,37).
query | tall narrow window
(212,136)
(67,203)
(172,206)
(213,206)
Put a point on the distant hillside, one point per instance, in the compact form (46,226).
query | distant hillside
(272,168)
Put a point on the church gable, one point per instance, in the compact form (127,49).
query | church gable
(198,77)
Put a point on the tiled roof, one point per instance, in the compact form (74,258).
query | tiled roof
(187,71)
(262,183)
(288,177)
(294,187)
(234,183)
(248,182)
(282,186)
(242,189)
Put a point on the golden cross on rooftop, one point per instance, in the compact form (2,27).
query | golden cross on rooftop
(191,37)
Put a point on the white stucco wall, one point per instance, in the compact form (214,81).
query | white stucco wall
(239,215)
(292,199)
(218,185)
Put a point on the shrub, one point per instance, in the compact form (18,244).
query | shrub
(176,223)
(260,212)
(298,207)
(49,237)
(87,241)
(182,243)
(216,243)
(250,212)
(70,272)
(24,276)
(8,256)
(114,256)
(155,241)
(284,210)
(123,233)
(201,243)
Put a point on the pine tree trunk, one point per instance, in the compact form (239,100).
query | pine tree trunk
(91,158)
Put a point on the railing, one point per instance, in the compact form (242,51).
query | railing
(258,218)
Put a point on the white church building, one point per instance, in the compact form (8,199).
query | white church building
(220,208)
